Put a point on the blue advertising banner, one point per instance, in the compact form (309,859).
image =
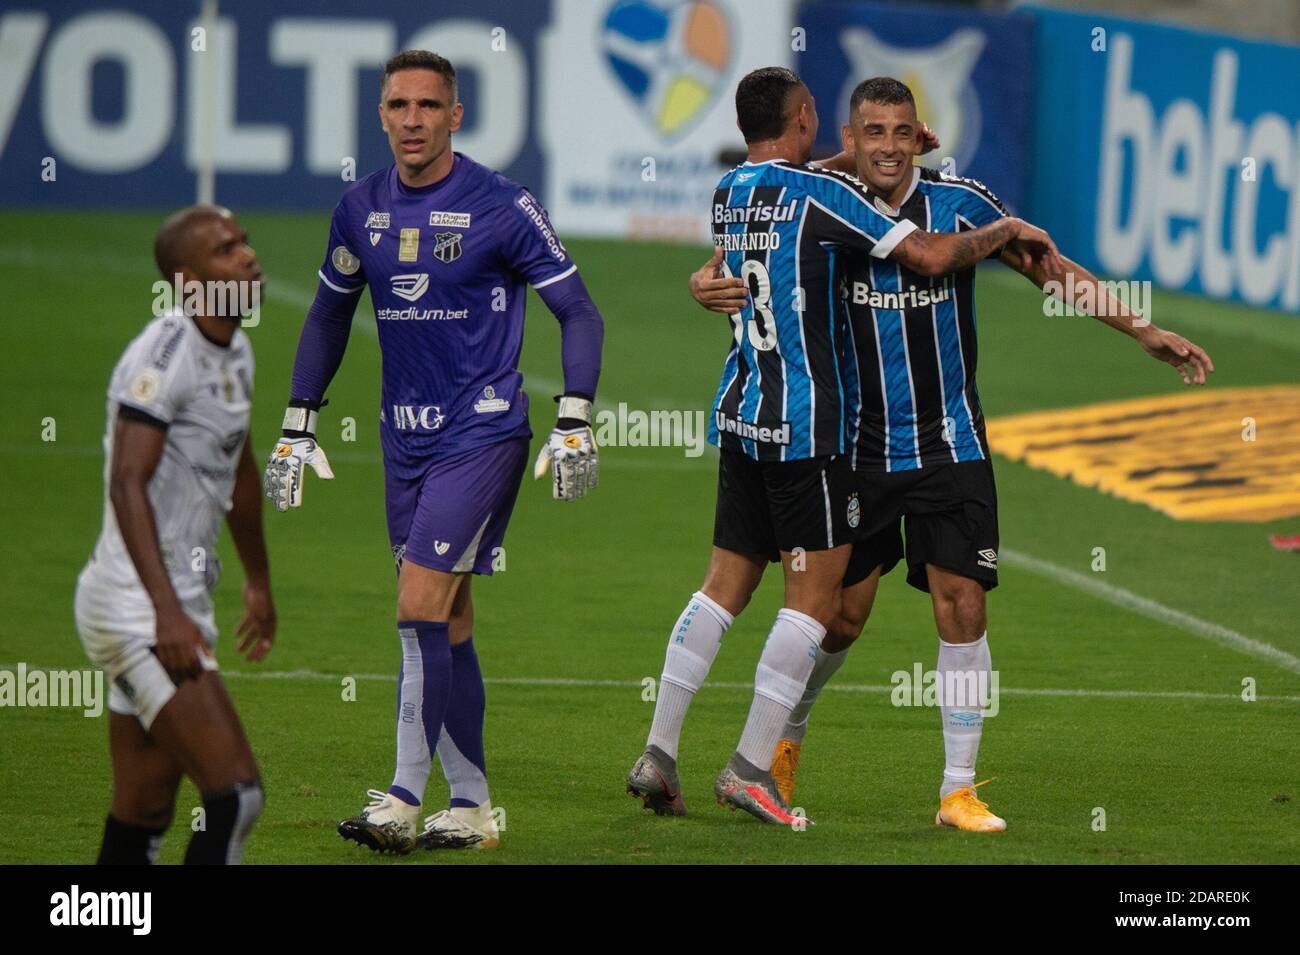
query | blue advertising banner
(971,74)
(1170,155)
(101,106)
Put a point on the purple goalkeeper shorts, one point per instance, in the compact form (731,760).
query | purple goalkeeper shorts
(453,517)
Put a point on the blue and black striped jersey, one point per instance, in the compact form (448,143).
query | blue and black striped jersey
(911,342)
(783,228)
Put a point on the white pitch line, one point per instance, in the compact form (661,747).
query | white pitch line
(304,675)
(839,688)
(1152,609)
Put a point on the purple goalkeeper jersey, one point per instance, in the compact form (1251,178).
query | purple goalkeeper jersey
(448,267)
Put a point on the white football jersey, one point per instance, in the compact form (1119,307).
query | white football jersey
(202,393)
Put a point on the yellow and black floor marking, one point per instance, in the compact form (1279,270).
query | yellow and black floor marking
(1209,455)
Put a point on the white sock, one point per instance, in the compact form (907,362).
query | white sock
(788,658)
(826,666)
(692,646)
(961,734)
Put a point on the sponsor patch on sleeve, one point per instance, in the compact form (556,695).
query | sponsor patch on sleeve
(345,261)
(537,216)
(145,385)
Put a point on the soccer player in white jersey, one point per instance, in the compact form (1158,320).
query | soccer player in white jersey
(448,248)
(178,461)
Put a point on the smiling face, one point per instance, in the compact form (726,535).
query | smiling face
(418,112)
(883,139)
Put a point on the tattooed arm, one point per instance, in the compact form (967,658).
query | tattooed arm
(941,253)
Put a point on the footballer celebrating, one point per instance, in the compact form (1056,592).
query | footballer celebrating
(917,429)
(179,458)
(786,491)
(447,248)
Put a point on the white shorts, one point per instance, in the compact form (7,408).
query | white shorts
(117,631)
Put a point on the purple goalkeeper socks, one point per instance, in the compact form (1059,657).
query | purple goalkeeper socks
(424,689)
(460,748)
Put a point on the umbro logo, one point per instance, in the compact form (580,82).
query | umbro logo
(441,547)
(989,559)
(745,176)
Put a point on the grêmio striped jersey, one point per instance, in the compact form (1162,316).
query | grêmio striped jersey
(783,229)
(910,361)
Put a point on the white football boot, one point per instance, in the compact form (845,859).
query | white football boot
(387,824)
(462,827)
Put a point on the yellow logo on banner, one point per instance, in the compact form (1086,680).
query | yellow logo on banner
(1209,455)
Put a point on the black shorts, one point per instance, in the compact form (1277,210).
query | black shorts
(765,507)
(949,515)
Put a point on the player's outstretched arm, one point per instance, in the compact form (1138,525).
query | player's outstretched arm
(715,291)
(941,253)
(1092,297)
(257,629)
(137,449)
(570,454)
(321,345)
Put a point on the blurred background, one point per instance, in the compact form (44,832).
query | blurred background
(1156,139)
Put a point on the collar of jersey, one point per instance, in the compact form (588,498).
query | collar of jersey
(178,312)
(458,162)
(916,179)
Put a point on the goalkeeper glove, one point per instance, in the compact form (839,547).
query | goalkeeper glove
(297,447)
(570,452)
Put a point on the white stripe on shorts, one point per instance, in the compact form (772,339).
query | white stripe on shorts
(826,495)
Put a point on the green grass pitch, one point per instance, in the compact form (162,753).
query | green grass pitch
(1102,707)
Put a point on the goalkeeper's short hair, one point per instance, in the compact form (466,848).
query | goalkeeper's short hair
(421,60)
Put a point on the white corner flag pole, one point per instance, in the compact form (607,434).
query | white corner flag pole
(206,186)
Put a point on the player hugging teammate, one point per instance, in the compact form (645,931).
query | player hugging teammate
(915,429)
(786,486)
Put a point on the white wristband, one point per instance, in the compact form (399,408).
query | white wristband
(571,407)
(299,419)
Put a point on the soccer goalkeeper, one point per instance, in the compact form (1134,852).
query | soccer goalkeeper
(448,248)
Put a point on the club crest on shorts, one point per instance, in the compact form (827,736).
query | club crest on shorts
(446,246)
(854,512)
(399,551)
(441,547)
